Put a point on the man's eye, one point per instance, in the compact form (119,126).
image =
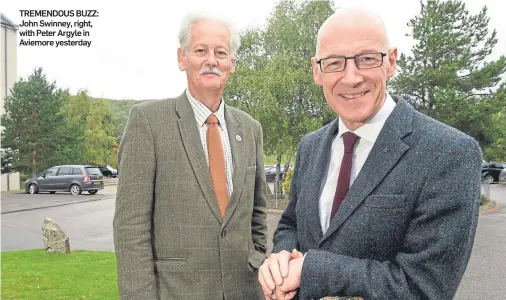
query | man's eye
(200,51)
(335,63)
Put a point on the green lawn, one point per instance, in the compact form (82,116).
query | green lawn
(35,274)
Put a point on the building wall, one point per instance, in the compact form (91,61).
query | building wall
(8,62)
(11,181)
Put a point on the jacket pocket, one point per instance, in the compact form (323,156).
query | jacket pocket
(386,201)
(175,264)
(255,258)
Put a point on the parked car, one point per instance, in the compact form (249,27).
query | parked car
(490,171)
(108,171)
(67,178)
(270,173)
(502,176)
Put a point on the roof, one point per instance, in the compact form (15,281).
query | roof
(5,22)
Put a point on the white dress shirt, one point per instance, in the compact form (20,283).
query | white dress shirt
(201,113)
(368,134)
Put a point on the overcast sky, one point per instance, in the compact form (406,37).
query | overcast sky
(133,54)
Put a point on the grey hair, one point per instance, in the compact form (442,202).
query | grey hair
(192,18)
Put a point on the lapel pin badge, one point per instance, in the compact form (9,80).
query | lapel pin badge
(238,138)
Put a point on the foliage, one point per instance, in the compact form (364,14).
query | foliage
(91,120)
(33,122)
(35,274)
(484,200)
(273,80)
(447,76)
(287,182)
(6,161)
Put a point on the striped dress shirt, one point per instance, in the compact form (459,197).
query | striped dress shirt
(201,113)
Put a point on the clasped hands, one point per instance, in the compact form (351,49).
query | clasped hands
(280,275)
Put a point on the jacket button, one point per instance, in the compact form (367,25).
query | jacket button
(223,233)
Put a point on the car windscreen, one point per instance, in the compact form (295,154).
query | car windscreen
(93,171)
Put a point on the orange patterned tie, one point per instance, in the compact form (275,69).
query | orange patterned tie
(217,163)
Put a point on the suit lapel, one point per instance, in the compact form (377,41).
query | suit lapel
(193,146)
(318,170)
(386,152)
(238,144)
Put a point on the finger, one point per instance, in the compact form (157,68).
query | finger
(275,271)
(290,295)
(267,277)
(283,263)
(296,254)
(265,289)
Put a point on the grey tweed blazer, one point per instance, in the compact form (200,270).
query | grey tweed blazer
(170,241)
(406,227)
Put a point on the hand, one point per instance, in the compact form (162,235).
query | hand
(291,283)
(274,270)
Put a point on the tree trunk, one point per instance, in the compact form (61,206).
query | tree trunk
(277,181)
(34,170)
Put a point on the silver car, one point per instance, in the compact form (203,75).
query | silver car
(67,178)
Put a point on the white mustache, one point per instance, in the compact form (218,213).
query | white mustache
(212,70)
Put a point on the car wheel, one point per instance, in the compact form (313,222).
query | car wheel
(489,179)
(75,190)
(33,189)
(92,192)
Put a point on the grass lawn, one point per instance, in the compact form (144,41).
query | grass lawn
(81,275)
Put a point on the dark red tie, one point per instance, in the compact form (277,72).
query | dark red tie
(343,183)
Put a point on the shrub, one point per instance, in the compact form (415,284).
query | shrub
(286,182)
(484,200)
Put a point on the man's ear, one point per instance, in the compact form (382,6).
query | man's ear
(392,62)
(316,71)
(180,59)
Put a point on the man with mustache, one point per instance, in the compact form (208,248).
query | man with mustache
(190,219)
(384,200)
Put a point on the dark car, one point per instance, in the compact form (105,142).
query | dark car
(67,178)
(270,173)
(490,172)
(108,171)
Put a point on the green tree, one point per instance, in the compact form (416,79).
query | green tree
(496,143)
(90,120)
(273,80)
(31,119)
(447,76)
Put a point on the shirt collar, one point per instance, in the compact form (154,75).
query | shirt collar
(371,129)
(202,112)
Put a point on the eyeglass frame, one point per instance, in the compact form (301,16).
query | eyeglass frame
(383,54)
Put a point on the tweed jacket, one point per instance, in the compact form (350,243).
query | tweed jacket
(169,237)
(406,227)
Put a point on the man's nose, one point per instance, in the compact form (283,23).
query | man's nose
(351,75)
(211,59)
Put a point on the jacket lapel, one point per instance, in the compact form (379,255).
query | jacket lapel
(319,168)
(386,152)
(193,146)
(238,144)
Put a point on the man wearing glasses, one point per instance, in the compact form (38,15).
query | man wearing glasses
(384,200)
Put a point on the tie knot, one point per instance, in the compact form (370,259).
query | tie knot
(212,119)
(349,141)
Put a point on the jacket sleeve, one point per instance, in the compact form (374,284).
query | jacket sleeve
(132,217)
(285,236)
(259,217)
(437,244)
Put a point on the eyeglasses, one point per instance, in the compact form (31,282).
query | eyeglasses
(362,61)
